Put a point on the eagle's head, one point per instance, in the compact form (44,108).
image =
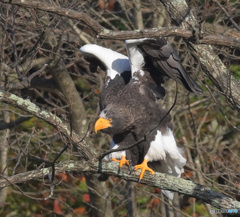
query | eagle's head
(112,121)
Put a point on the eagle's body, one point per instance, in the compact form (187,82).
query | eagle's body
(129,103)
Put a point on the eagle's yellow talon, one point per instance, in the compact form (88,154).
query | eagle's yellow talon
(143,166)
(122,161)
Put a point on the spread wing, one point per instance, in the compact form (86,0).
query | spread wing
(116,65)
(160,59)
(111,61)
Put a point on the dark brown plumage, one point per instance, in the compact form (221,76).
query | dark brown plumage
(129,103)
(161,60)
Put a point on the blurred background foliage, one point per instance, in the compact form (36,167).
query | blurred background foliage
(206,126)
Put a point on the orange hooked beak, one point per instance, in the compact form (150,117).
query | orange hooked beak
(102,123)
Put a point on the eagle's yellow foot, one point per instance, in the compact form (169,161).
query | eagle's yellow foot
(143,166)
(122,161)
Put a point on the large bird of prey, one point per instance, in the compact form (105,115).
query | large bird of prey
(129,107)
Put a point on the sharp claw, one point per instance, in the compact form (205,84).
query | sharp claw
(119,169)
(143,166)
(139,181)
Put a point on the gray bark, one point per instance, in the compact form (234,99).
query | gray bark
(159,180)
(210,62)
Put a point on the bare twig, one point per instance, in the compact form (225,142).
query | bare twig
(25,83)
(227,15)
(13,38)
(221,40)
(15,123)
(4,156)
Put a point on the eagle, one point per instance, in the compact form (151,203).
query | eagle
(129,103)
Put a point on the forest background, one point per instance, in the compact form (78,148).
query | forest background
(49,102)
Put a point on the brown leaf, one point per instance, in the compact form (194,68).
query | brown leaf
(57,207)
(86,198)
(80,210)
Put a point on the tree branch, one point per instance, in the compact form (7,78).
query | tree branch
(221,40)
(93,24)
(48,117)
(5,135)
(159,180)
(138,19)
(227,15)
(26,82)
(155,32)
(210,62)
(163,181)
(9,125)
(104,33)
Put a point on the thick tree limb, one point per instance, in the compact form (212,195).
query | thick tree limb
(155,32)
(210,62)
(159,180)
(59,11)
(68,88)
(104,33)
(31,108)
(221,40)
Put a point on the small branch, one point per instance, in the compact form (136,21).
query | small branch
(138,19)
(13,39)
(227,15)
(55,160)
(25,83)
(13,124)
(159,180)
(4,155)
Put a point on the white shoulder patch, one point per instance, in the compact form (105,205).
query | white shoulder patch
(115,62)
